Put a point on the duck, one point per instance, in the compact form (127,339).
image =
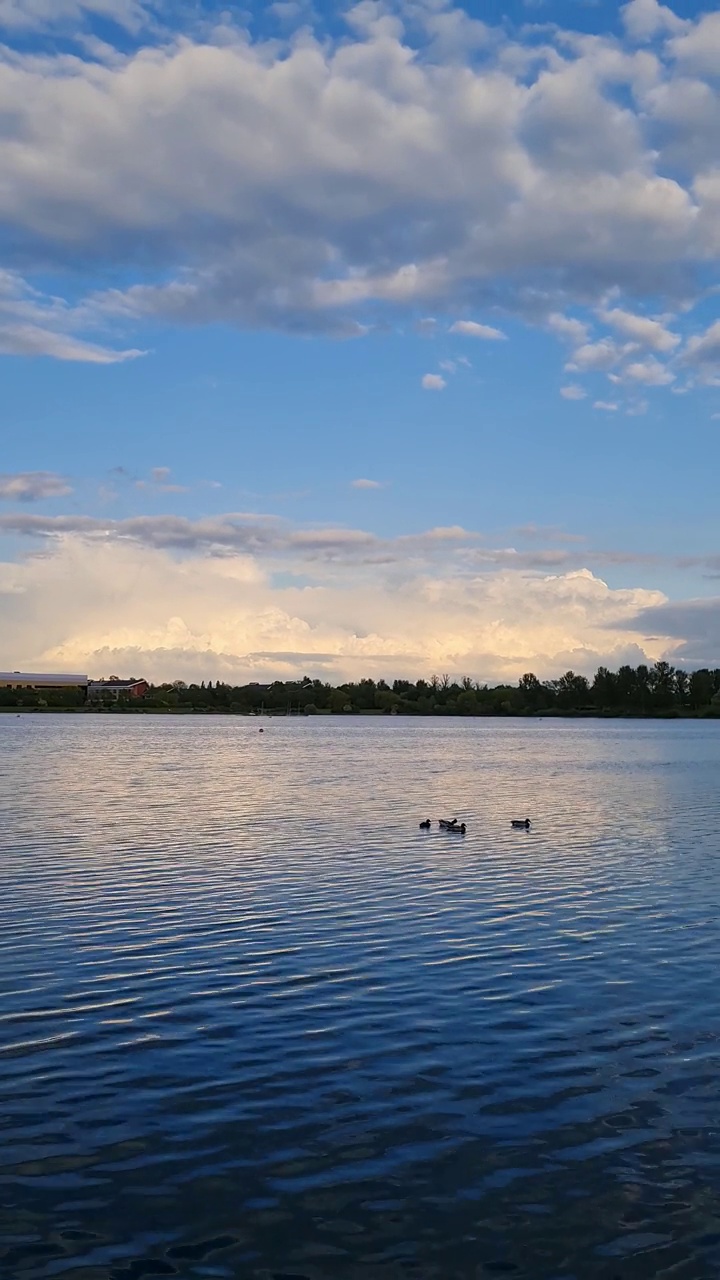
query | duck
(425,826)
(521,822)
(453,825)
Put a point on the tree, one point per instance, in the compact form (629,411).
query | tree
(701,688)
(604,688)
(572,691)
(661,681)
(532,693)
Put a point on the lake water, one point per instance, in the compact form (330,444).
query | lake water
(255,1023)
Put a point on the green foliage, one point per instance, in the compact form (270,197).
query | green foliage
(631,691)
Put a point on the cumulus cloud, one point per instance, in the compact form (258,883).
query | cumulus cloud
(650,372)
(433,382)
(609,406)
(573,392)
(698,47)
(200,616)
(471,329)
(641,329)
(32,486)
(423,163)
(645,19)
(595,356)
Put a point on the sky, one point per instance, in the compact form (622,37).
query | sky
(373,339)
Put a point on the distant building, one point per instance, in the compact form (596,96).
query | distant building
(31,680)
(117,688)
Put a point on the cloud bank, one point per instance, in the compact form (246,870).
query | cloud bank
(241,598)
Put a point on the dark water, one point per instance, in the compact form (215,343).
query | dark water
(254,1023)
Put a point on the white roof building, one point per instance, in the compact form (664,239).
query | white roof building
(33,680)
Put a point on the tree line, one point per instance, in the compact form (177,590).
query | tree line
(659,690)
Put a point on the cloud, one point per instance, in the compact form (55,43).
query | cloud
(703,350)
(366,484)
(471,329)
(595,357)
(650,372)
(31,340)
(33,324)
(693,626)
(648,333)
(28,15)
(645,19)
(569,328)
(608,406)
(114,604)
(442,167)
(698,48)
(573,392)
(32,486)
(433,382)
(322,549)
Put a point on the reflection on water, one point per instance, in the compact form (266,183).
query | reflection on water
(255,1023)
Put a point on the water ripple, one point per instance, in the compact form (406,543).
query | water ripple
(254,1022)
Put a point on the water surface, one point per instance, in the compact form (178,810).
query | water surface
(255,1023)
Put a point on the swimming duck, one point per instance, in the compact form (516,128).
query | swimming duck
(521,822)
(425,826)
(453,825)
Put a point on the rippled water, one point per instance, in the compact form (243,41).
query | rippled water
(255,1023)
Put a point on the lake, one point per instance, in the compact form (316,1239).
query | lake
(255,1023)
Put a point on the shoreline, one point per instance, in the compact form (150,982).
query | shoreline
(672,714)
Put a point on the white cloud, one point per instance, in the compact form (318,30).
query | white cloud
(641,329)
(607,405)
(595,356)
(366,484)
(471,329)
(698,49)
(573,392)
(433,382)
(413,182)
(645,19)
(442,167)
(31,486)
(30,340)
(569,328)
(25,15)
(33,324)
(650,372)
(116,605)
(703,350)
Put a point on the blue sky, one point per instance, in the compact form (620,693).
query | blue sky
(358,339)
